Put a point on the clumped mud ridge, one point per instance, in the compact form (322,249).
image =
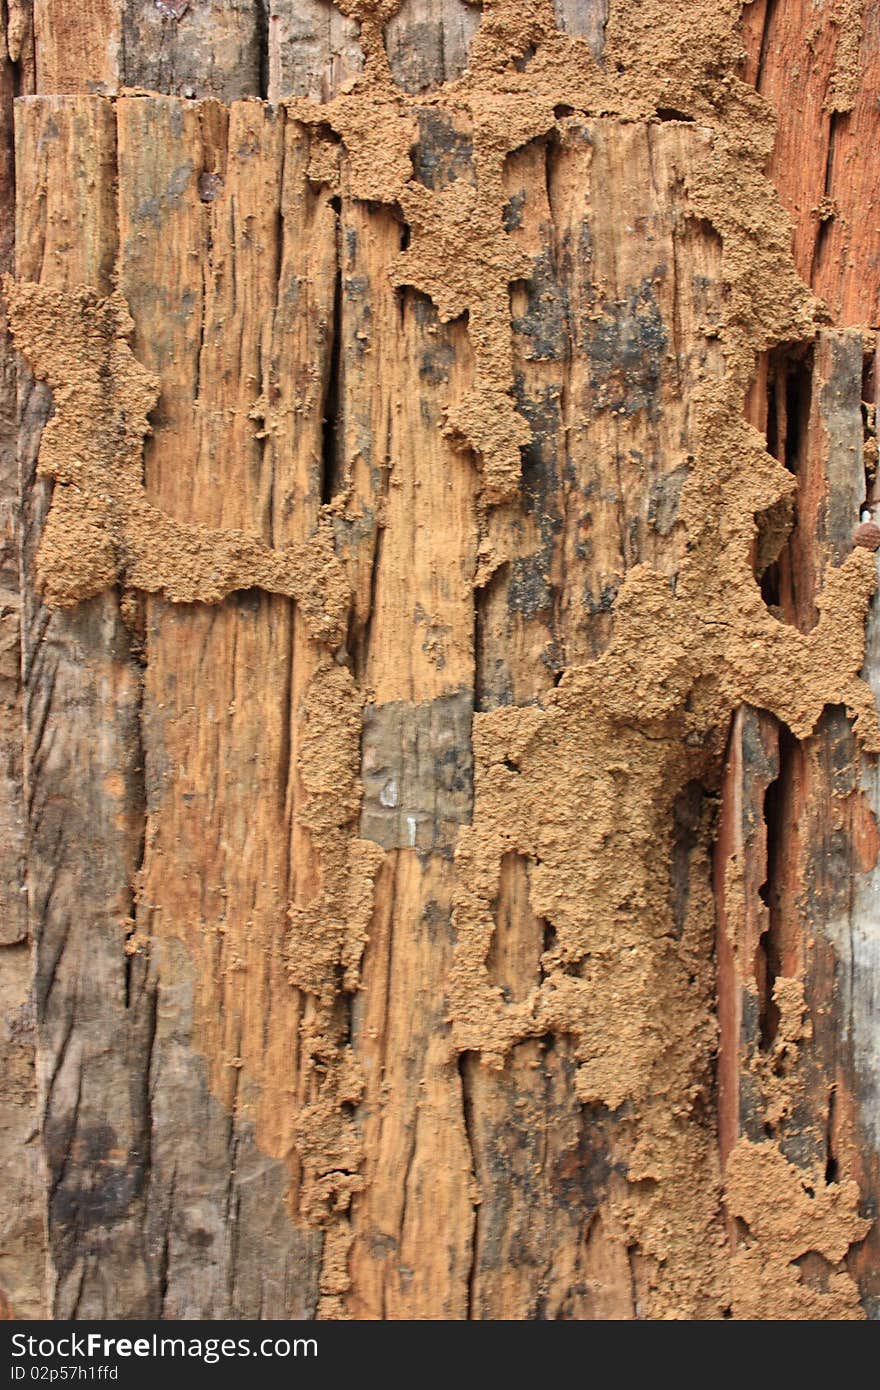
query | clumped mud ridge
(585,786)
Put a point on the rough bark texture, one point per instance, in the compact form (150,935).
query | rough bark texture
(450,732)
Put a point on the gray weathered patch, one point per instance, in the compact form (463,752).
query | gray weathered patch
(544,324)
(444,152)
(584,20)
(840,408)
(664,499)
(428,44)
(418,772)
(626,347)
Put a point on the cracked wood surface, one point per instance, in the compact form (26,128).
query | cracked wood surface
(819,64)
(93,1015)
(797,851)
(189,834)
(21,1176)
(591,508)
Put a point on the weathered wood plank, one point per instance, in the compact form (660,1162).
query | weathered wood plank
(13,920)
(287,48)
(221,810)
(752,764)
(77,47)
(585,19)
(407,508)
(798,848)
(191,48)
(312,50)
(22,1242)
(818,63)
(428,42)
(487,1116)
(204,48)
(94,1012)
(601,485)
(832,829)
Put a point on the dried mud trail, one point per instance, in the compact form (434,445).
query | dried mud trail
(448,679)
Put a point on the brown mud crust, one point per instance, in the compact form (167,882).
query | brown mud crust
(458,956)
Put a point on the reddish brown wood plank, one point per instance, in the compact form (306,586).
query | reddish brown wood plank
(818,66)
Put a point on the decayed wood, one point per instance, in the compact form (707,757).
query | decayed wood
(601,487)
(273,1154)
(22,1201)
(76,50)
(818,64)
(13,926)
(798,845)
(285,48)
(201,245)
(200,48)
(95,1017)
(418,1160)
(206,48)
(236,206)
(740,875)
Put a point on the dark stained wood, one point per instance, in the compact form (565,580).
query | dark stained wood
(22,1200)
(94,1009)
